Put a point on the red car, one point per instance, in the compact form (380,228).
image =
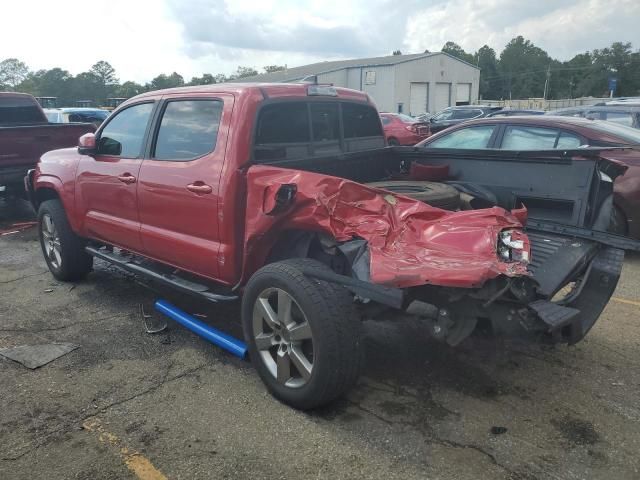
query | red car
(400,129)
(555,132)
(268,191)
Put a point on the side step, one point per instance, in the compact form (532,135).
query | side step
(141,267)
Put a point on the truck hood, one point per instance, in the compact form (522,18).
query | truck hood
(410,243)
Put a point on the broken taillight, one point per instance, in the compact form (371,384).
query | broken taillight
(513,246)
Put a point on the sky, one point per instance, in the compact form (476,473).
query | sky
(143,38)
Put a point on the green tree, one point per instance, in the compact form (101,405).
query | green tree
(12,73)
(523,68)
(205,79)
(106,76)
(274,68)
(396,52)
(242,72)
(485,59)
(129,89)
(457,51)
(166,81)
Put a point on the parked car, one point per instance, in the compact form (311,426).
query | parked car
(271,191)
(512,112)
(25,135)
(76,115)
(455,115)
(628,115)
(400,129)
(555,132)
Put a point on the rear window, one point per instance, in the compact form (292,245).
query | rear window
(291,130)
(626,134)
(19,110)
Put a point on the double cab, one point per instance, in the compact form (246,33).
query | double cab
(268,192)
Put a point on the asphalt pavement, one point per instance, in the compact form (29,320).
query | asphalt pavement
(128,404)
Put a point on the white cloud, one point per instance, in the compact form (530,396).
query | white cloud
(143,38)
(561,27)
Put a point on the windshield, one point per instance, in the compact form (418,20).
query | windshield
(406,118)
(628,134)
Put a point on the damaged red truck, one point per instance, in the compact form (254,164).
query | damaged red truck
(273,192)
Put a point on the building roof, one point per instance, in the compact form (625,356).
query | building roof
(298,73)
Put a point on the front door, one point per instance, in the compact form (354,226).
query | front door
(179,183)
(106,183)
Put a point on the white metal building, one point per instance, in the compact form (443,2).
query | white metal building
(411,84)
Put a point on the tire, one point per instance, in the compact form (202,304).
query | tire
(393,142)
(618,223)
(436,194)
(331,341)
(63,250)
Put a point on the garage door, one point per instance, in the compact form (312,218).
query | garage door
(418,98)
(443,96)
(463,94)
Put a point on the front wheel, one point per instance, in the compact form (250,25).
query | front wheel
(63,250)
(303,335)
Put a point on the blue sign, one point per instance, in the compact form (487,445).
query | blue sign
(613,83)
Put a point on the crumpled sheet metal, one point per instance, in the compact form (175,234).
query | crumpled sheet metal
(410,242)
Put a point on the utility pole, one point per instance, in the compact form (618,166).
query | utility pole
(546,82)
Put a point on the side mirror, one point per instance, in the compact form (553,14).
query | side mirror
(87,144)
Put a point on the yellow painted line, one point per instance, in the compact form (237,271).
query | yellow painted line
(135,461)
(624,300)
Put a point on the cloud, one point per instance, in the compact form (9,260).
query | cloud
(561,27)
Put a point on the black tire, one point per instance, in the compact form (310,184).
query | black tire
(618,223)
(435,194)
(73,262)
(336,332)
(393,142)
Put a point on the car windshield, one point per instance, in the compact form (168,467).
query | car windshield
(628,134)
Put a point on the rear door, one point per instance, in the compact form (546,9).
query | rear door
(179,182)
(106,183)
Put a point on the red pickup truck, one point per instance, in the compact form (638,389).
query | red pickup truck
(273,191)
(25,134)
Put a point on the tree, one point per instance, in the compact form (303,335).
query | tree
(457,51)
(12,72)
(242,72)
(523,67)
(205,79)
(129,89)
(166,81)
(105,72)
(485,59)
(396,52)
(274,68)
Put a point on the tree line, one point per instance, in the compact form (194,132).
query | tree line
(100,82)
(521,70)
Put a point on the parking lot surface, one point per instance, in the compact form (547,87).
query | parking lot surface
(127,404)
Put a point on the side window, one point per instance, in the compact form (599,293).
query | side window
(534,138)
(325,122)
(466,113)
(188,129)
(283,123)
(360,121)
(622,118)
(123,135)
(385,120)
(474,137)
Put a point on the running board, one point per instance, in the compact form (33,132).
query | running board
(130,264)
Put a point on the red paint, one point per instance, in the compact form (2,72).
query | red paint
(398,129)
(410,242)
(225,235)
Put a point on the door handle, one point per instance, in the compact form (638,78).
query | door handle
(127,178)
(199,188)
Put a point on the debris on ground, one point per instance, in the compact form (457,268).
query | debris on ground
(151,325)
(34,356)
(16,228)
(498,430)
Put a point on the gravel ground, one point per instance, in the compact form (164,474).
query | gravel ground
(127,404)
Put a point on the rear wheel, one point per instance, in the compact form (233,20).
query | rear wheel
(393,142)
(63,250)
(303,335)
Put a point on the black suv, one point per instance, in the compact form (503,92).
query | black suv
(454,115)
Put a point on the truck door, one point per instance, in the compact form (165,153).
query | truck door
(106,183)
(179,182)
